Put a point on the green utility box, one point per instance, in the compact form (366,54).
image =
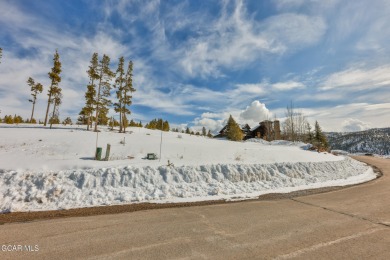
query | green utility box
(151,156)
(98,155)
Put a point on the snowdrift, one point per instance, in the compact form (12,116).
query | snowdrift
(32,191)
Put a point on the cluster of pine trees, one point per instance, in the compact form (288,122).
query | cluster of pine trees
(191,132)
(115,123)
(97,102)
(54,93)
(16,119)
(158,124)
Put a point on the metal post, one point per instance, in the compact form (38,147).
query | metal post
(161,139)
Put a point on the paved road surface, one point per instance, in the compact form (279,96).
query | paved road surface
(353,223)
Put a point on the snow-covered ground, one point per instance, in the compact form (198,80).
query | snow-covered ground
(43,169)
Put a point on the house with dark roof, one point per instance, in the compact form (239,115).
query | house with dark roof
(267,130)
(245,128)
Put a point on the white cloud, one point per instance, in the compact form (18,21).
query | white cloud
(256,112)
(251,115)
(234,39)
(358,79)
(289,85)
(294,31)
(354,125)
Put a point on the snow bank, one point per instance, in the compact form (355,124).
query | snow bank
(301,145)
(34,191)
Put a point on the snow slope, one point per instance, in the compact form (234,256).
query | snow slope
(43,169)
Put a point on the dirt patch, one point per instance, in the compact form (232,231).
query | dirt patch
(115,209)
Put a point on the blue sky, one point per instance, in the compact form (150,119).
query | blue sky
(196,62)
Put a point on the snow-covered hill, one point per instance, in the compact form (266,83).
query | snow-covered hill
(43,169)
(375,141)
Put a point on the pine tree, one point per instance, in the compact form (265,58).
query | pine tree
(17,119)
(119,85)
(8,119)
(103,90)
(188,130)
(310,136)
(57,100)
(209,134)
(127,91)
(35,89)
(233,130)
(1,54)
(67,121)
(90,94)
(54,75)
(319,137)
(165,126)
(204,131)
(103,118)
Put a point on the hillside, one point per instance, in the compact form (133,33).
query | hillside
(375,141)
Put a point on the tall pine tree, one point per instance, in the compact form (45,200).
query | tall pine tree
(119,85)
(103,90)
(57,100)
(319,137)
(54,75)
(35,89)
(127,92)
(90,94)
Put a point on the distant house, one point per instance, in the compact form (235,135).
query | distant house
(266,130)
(245,128)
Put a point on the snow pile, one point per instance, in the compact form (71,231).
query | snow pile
(301,145)
(93,187)
(42,169)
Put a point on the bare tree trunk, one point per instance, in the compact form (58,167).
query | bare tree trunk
(54,111)
(32,113)
(120,117)
(47,109)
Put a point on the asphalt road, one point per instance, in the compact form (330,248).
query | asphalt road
(352,223)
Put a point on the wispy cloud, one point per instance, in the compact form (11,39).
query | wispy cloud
(358,79)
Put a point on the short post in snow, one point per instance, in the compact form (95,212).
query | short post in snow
(107,152)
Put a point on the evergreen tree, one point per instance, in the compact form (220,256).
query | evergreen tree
(35,89)
(127,91)
(319,137)
(18,119)
(57,100)
(1,54)
(67,121)
(209,134)
(82,119)
(8,119)
(310,136)
(233,130)
(119,85)
(54,120)
(54,75)
(103,90)
(204,131)
(87,110)
(103,118)
(165,126)
(188,130)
